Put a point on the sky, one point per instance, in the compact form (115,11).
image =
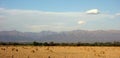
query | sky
(59,15)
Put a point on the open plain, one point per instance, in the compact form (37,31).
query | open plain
(59,52)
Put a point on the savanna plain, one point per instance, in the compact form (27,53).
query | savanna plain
(59,52)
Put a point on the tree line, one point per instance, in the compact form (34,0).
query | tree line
(115,43)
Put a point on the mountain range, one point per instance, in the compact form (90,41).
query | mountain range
(65,36)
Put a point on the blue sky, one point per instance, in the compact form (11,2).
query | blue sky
(62,5)
(59,15)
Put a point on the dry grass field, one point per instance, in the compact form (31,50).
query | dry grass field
(59,52)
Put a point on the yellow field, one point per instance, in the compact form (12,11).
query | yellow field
(59,52)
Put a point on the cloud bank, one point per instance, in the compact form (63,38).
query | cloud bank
(36,20)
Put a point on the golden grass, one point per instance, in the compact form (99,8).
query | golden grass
(59,52)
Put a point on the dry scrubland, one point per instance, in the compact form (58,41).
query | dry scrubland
(59,52)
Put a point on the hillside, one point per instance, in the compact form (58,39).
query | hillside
(66,36)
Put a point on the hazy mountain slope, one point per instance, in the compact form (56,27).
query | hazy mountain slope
(67,36)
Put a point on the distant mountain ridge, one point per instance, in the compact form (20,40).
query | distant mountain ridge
(66,36)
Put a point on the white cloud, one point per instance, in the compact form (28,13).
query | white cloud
(117,14)
(81,22)
(37,20)
(57,28)
(93,11)
(1,17)
(1,9)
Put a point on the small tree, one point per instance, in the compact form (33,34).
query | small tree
(51,43)
(45,44)
(115,43)
(78,44)
(35,43)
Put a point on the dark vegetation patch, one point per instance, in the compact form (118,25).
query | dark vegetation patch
(115,43)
